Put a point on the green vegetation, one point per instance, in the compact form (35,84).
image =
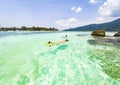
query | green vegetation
(110,61)
(24,28)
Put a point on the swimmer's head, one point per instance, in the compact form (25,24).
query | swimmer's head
(66,40)
(66,36)
(49,42)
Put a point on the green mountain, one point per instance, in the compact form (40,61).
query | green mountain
(110,26)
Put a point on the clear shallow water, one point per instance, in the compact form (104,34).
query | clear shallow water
(25,60)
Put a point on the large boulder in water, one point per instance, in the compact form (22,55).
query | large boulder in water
(117,34)
(98,33)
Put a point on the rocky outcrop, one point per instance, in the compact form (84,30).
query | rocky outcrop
(117,34)
(98,33)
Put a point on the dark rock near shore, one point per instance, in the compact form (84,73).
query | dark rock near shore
(98,33)
(105,41)
(117,34)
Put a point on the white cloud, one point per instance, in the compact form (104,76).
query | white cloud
(76,9)
(67,22)
(73,8)
(104,19)
(110,8)
(94,1)
(100,19)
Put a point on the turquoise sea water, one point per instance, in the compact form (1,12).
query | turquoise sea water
(84,60)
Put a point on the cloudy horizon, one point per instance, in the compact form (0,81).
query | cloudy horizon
(57,13)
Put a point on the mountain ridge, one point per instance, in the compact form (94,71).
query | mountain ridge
(108,26)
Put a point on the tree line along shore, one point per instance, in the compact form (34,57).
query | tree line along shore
(24,28)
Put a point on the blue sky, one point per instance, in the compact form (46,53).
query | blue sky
(61,14)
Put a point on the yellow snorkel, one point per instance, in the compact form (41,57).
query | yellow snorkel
(49,44)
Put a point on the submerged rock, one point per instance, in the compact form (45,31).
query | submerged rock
(117,34)
(109,60)
(105,41)
(98,33)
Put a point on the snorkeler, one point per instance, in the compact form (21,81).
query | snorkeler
(60,42)
(50,43)
(56,43)
(65,36)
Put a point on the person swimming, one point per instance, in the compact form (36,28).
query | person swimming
(65,36)
(56,43)
(61,42)
(50,43)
